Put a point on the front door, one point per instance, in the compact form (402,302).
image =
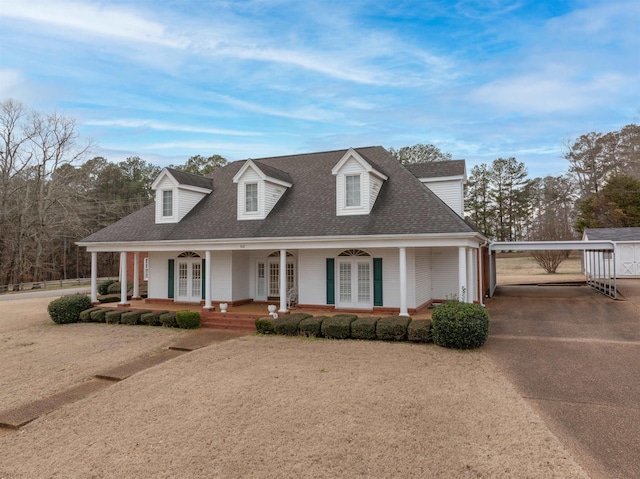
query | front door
(189,285)
(273,271)
(354,285)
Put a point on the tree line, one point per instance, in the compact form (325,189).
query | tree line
(51,195)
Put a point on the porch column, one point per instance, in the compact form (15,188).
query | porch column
(462,274)
(403,282)
(136,273)
(283,281)
(470,280)
(123,278)
(207,280)
(94,277)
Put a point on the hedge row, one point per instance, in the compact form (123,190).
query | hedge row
(347,326)
(74,308)
(453,325)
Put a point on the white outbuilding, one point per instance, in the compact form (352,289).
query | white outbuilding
(626,258)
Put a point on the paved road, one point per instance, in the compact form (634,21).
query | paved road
(575,356)
(45,293)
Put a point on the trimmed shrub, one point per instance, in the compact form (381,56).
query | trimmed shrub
(99,316)
(113,317)
(392,328)
(266,325)
(133,317)
(311,327)
(114,288)
(460,325)
(168,320)
(109,298)
(188,319)
(103,286)
(68,308)
(338,326)
(364,328)
(152,319)
(85,316)
(419,331)
(287,324)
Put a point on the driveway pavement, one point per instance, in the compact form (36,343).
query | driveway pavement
(574,354)
(42,293)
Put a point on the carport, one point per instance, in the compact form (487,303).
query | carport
(599,274)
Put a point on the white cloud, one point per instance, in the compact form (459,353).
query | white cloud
(10,80)
(157,125)
(118,22)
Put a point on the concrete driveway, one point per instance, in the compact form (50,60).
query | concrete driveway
(574,354)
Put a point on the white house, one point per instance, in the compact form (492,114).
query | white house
(348,230)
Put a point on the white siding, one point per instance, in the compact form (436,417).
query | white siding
(250,176)
(374,190)
(312,278)
(272,193)
(159,274)
(221,276)
(186,201)
(451,192)
(241,271)
(422,275)
(628,260)
(444,273)
(165,184)
(352,167)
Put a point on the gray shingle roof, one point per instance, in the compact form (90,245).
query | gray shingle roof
(613,234)
(273,172)
(190,179)
(306,209)
(436,169)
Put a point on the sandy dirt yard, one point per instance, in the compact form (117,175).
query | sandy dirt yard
(266,407)
(39,358)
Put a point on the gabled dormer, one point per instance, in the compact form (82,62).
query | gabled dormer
(358,184)
(177,193)
(259,188)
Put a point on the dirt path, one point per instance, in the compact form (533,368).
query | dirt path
(267,407)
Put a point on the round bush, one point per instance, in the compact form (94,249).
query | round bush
(68,308)
(188,319)
(460,325)
(103,286)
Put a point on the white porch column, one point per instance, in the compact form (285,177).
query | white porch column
(462,274)
(470,296)
(207,280)
(123,278)
(283,281)
(94,277)
(136,273)
(403,282)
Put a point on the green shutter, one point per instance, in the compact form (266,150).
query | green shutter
(170,286)
(331,288)
(377,281)
(204,277)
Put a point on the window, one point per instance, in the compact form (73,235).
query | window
(167,203)
(145,269)
(251,197)
(352,190)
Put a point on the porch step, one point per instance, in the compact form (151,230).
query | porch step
(229,321)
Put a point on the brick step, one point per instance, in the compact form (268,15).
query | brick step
(229,325)
(241,318)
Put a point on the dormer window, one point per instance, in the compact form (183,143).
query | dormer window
(260,187)
(251,197)
(358,184)
(352,193)
(167,203)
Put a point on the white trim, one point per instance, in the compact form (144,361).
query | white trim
(435,179)
(471,240)
(550,245)
(177,184)
(356,156)
(264,177)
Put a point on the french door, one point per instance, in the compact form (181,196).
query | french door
(268,278)
(354,286)
(189,285)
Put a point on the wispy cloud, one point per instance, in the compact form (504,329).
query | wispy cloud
(160,126)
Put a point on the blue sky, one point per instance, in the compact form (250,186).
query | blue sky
(480,79)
